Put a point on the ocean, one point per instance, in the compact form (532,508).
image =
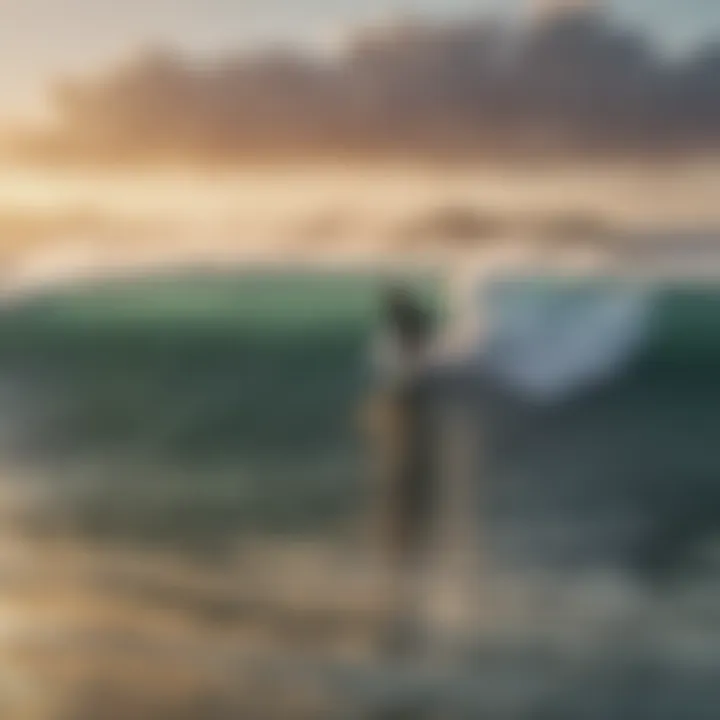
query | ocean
(184,487)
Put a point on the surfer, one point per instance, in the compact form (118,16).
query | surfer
(399,422)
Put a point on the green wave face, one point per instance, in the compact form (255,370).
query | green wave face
(193,410)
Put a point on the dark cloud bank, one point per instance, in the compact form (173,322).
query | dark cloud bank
(578,83)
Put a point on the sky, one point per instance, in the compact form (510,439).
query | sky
(41,40)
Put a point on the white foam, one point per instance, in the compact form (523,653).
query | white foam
(547,343)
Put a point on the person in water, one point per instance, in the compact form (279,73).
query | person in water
(399,423)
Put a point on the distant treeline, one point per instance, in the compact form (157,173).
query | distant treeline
(573,83)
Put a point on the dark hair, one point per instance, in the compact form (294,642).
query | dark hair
(407,316)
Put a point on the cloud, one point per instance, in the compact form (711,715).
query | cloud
(572,83)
